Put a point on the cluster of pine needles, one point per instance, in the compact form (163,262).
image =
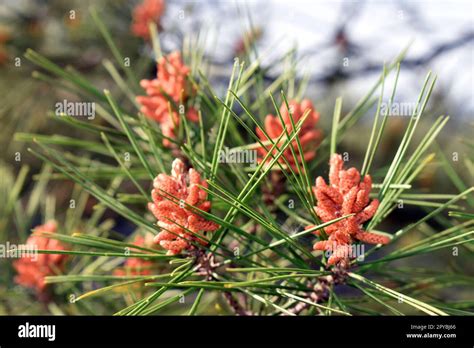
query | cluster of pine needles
(260,261)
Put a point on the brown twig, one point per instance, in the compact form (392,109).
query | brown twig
(235,305)
(322,288)
(205,266)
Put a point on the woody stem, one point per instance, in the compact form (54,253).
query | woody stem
(235,305)
(322,289)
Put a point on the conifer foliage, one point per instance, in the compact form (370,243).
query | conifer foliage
(286,234)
